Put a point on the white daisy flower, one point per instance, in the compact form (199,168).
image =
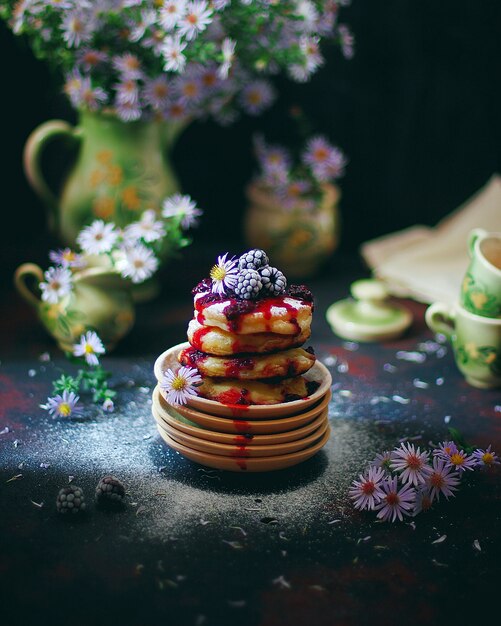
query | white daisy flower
(128,66)
(184,206)
(138,29)
(91,97)
(180,385)
(197,17)
(64,405)
(58,284)
(127,92)
(97,238)
(147,228)
(157,92)
(228,51)
(172,52)
(89,346)
(67,258)
(224,274)
(171,12)
(77,27)
(128,111)
(137,263)
(73,86)
(256,96)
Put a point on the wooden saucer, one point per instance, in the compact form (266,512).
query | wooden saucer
(318,372)
(262,464)
(240,426)
(242,449)
(177,421)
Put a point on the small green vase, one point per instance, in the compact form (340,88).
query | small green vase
(121,170)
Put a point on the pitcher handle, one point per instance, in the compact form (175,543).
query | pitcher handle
(21,274)
(440,318)
(32,155)
(473,237)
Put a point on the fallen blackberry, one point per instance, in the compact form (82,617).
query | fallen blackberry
(110,490)
(70,499)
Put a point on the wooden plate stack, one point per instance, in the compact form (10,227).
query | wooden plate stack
(256,438)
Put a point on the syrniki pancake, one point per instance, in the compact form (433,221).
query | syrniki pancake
(285,364)
(214,340)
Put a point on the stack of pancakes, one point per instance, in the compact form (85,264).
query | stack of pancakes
(249,351)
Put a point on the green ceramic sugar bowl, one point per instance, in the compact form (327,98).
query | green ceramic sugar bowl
(476,341)
(100,300)
(481,288)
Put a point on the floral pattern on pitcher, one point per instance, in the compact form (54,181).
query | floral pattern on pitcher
(471,354)
(121,188)
(477,299)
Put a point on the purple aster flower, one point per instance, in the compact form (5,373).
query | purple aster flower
(64,405)
(411,463)
(445,449)
(256,96)
(485,458)
(180,385)
(384,460)
(366,492)
(422,502)
(67,258)
(224,274)
(442,479)
(461,461)
(395,503)
(89,347)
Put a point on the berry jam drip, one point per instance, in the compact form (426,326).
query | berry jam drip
(192,356)
(203,286)
(241,451)
(242,440)
(232,367)
(301,292)
(243,427)
(198,336)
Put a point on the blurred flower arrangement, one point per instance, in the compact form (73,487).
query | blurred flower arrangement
(407,481)
(300,176)
(177,59)
(133,252)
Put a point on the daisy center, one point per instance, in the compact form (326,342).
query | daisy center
(56,285)
(178,384)
(368,488)
(392,499)
(321,154)
(64,409)
(413,462)
(488,458)
(457,459)
(218,273)
(192,19)
(88,349)
(436,480)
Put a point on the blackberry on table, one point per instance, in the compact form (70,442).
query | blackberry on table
(273,280)
(70,499)
(110,490)
(248,284)
(253,260)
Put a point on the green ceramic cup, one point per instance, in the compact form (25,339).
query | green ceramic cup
(481,288)
(476,341)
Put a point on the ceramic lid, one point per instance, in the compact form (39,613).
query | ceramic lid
(368,316)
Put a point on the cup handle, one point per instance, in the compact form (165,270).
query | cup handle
(32,156)
(473,237)
(440,318)
(21,274)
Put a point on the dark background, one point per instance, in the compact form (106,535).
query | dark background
(416,111)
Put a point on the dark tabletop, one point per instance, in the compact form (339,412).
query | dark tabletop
(197,546)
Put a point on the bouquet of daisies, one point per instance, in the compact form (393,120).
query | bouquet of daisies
(133,252)
(298,177)
(177,59)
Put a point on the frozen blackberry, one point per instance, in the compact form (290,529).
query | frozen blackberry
(253,260)
(273,280)
(110,490)
(248,284)
(70,499)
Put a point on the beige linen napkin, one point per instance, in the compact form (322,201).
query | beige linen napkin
(428,264)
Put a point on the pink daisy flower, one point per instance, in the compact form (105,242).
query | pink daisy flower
(442,479)
(395,503)
(411,463)
(384,460)
(485,458)
(180,385)
(445,449)
(366,492)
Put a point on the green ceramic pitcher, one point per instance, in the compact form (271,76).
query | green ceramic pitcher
(100,301)
(121,169)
